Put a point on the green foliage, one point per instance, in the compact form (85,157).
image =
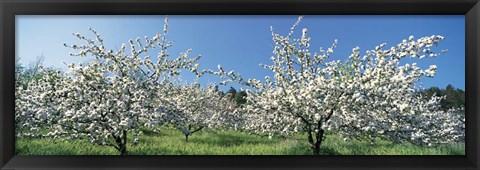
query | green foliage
(209,142)
(232,92)
(454,97)
(24,75)
(240,97)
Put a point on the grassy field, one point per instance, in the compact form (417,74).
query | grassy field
(209,142)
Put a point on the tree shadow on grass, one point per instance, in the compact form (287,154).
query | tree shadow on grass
(150,132)
(328,151)
(301,149)
(297,150)
(226,140)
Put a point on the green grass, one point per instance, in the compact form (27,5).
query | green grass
(209,142)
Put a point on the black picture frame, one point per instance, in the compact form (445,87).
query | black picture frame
(10,8)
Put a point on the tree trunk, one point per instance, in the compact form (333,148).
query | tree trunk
(315,144)
(191,133)
(122,143)
(123,149)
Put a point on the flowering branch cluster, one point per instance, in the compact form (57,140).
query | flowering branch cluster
(106,98)
(369,96)
(364,96)
(192,108)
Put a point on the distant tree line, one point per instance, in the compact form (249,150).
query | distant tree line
(25,74)
(454,97)
(238,96)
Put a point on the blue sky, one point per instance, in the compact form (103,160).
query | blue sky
(240,43)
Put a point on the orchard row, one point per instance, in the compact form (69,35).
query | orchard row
(365,96)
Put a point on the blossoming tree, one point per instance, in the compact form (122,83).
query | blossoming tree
(36,101)
(113,94)
(363,96)
(368,96)
(192,108)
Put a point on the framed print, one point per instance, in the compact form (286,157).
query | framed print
(239,85)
